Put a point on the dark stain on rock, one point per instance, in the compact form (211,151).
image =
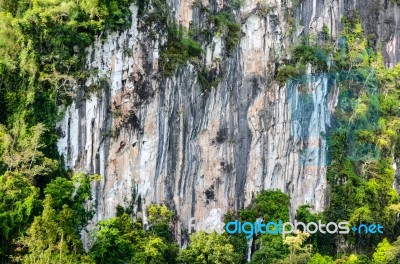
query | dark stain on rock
(226,167)
(132,121)
(222,135)
(209,194)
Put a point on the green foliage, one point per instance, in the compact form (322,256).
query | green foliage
(54,236)
(320,242)
(116,240)
(121,240)
(158,13)
(42,51)
(353,259)
(285,72)
(18,204)
(325,31)
(361,192)
(73,194)
(178,51)
(303,55)
(117,15)
(206,79)
(356,52)
(20,151)
(315,56)
(151,251)
(224,24)
(180,47)
(53,239)
(299,253)
(362,146)
(270,249)
(353,53)
(160,221)
(237,4)
(387,253)
(319,259)
(379,255)
(269,205)
(361,181)
(208,248)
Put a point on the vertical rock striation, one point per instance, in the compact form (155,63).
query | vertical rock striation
(163,140)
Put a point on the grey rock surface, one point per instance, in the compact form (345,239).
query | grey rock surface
(163,140)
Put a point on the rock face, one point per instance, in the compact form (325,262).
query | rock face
(163,140)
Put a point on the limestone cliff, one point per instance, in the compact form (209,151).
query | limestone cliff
(155,139)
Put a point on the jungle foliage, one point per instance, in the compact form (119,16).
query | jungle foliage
(42,53)
(362,144)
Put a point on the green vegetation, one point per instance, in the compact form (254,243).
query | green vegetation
(208,248)
(325,31)
(121,240)
(185,45)
(270,205)
(387,253)
(42,52)
(361,173)
(303,55)
(206,79)
(286,72)
(225,25)
(237,4)
(362,143)
(179,50)
(54,234)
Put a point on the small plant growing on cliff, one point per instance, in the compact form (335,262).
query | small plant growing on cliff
(285,72)
(112,133)
(225,24)
(178,51)
(237,4)
(325,31)
(207,79)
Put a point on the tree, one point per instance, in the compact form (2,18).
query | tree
(20,150)
(379,256)
(352,259)
(295,243)
(122,240)
(208,249)
(19,202)
(160,227)
(319,259)
(54,236)
(116,240)
(386,253)
(151,250)
(270,248)
(269,205)
(160,220)
(299,253)
(393,252)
